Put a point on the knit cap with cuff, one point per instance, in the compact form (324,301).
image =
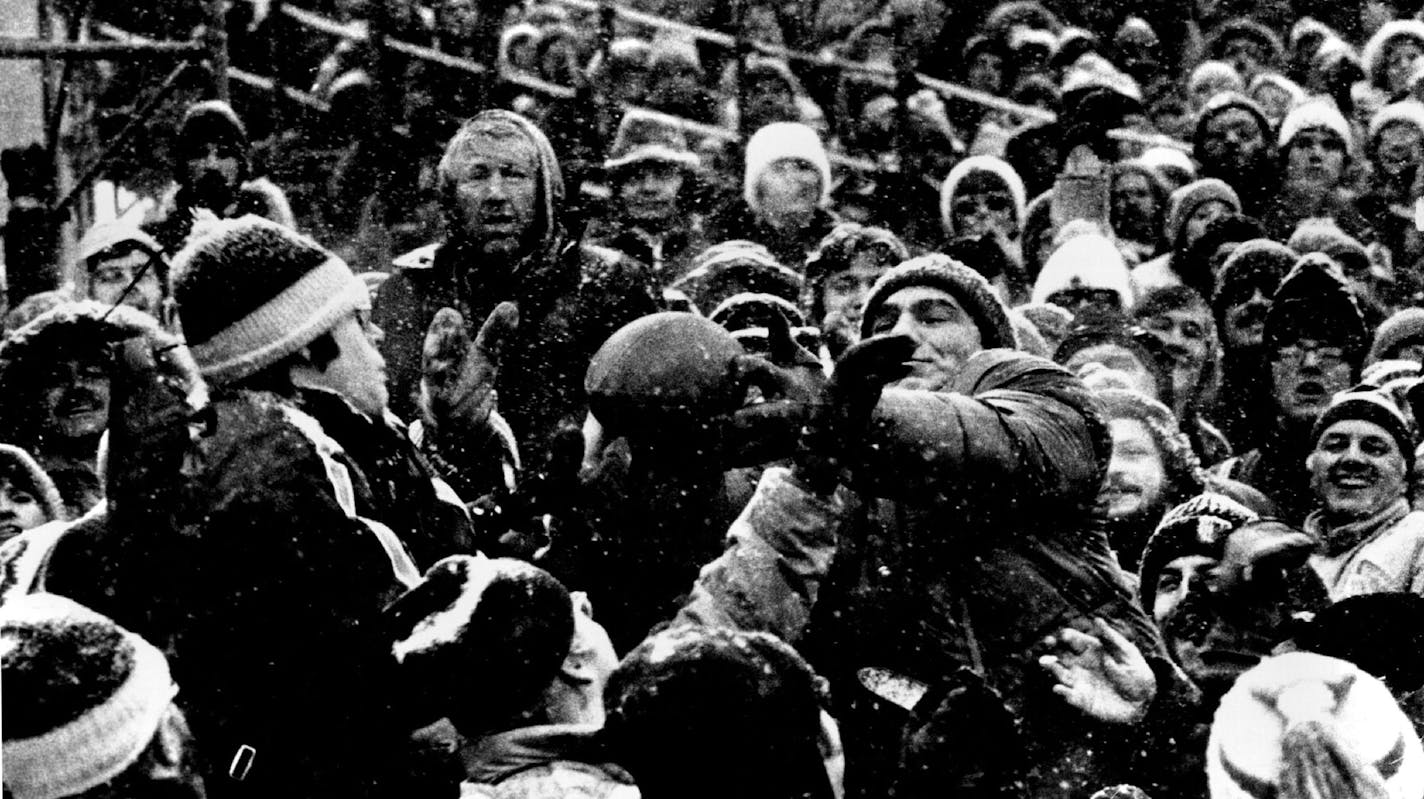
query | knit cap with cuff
(1198,526)
(1086,261)
(1307,720)
(1404,328)
(967,287)
(252,292)
(1369,406)
(992,165)
(1183,202)
(780,141)
(1406,112)
(83,696)
(1375,52)
(1316,113)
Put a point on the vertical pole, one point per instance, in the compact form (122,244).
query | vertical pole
(215,19)
(739,12)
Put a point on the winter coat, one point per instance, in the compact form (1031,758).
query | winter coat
(171,222)
(737,221)
(555,760)
(1276,469)
(967,539)
(571,298)
(394,485)
(669,254)
(1384,552)
(266,590)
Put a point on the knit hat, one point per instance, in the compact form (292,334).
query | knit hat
(83,696)
(1372,406)
(1314,302)
(1377,48)
(778,141)
(1299,722)
(1404,327)
(1143,345)
(642,139)
(1086,261)
(689,690)
(1324,236)
(1242,27)
(1180,462)
(479,639)
(668,367)
(968,287)
(741,311)
(1382,634)
(1407,112)
(1218,73)
(1317,112)
(1053,322)
(1184,202)
(995,166)
(734,267)
(17,464)
(1198,526)
(1171,164)
(1219,104)
(209,122)
(253,292)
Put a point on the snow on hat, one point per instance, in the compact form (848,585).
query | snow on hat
(1299,721)
(1369,406)
(1162,159)
(1184,202)
(16,462)
(1279,81)
(1408,112)
(1198,526)
(1258,263)
(1242,27)
(967,286)
(1215,72)
(641,138)
(1317,112)
(479,639)
(1088,261)
(778,141)
(1220,103)
(733,267)
(84,696)
(1322,235)
(1314,302)
(1404,327)
(105,235)
(663,367)
(1377,48)
(1306,26)
(1144,346)
(995,166)
(749,309)
(209,122)
(253,292)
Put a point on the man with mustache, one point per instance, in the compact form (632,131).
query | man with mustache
(1315,341)
(1370,539)
(503,194)
(1242,298)
(56,403)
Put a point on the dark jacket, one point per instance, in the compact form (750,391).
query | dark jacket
(968,539)
(669,254)
(171,223)
(737,221)
(1277,469)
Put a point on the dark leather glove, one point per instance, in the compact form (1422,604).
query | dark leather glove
(458,375)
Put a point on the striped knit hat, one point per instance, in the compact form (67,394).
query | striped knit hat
(252,292)
(84,696)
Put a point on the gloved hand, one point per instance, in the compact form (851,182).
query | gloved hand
(843,412)
(787,383)
(458,376)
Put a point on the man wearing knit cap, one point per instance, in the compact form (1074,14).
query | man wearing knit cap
(271,310)
(212,171)
(1316,146)
(1248,279)
(942,578)
(1189,210)
(1315,342)
(1234,143)
(651,173)
(118,263)
(785,193)
(89,708)
(1370,538)
(503,193)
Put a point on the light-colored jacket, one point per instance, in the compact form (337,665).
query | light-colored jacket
(1388,553)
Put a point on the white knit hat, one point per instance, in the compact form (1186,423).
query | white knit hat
(1373,54)
(84,697)
(1300,716)
(1407,111)
(778,141)
(1089,261)
(980,163)
(1317,112)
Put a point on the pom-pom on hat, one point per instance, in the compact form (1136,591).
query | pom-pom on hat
(83,696)
(479,639)
(967,287)
(253,292)
(1298,722)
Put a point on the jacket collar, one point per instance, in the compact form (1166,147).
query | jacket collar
(495,757)
(1338,540)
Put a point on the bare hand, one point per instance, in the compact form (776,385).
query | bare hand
(1103,675)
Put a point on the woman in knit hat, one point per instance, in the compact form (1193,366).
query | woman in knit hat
(1211,78)
(1390,53)
(28,498)
(1317,147)
(1394,148)
(786,189)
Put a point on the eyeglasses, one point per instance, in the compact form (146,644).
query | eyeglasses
(1326,356)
